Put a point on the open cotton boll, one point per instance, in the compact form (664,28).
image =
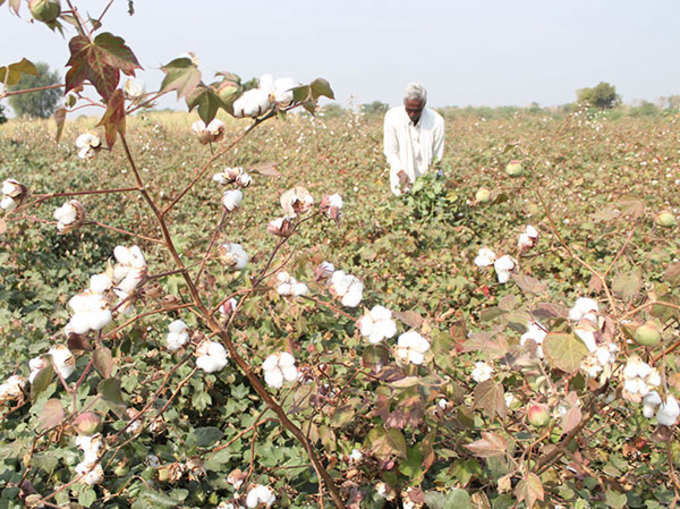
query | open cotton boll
(212,356)
(258,495)
(99,283)
(233,256)
(36,365)
(323,271)
(7,203)
(377,324)
(228,307)
(296,201)
(584,309)
(536,333)
(91,474)
(232,199)
(12,188)
(177,335)
(215,127)
(649,404)
(134,88)
(244,180)
(278,367)
(503,266)
(668,412)
(587,335)
(63,360)
(283,93)
(12,388)
(252,103)
(482,372)
(411,347)
(348,287)
(66,214)
(485,257)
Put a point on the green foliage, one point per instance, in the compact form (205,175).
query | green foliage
(602,96)
(39,104)
(375,108)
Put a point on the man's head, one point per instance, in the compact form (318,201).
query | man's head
(415,97)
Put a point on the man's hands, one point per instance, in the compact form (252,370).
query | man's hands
(404,181)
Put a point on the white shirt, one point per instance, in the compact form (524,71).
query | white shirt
(411,147)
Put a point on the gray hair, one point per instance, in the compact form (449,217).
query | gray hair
(415,91)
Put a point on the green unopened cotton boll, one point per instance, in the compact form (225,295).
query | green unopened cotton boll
(483,194)
(46,11)
(514,168)
(87,423)
(665,218)
(228,91)
(647,334)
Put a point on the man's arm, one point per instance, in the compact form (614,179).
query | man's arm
(391,144)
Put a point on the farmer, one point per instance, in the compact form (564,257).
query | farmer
(413,138)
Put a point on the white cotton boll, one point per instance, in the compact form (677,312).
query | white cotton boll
(228,307)
(11,187)
(198,127)
(652,399)
(603,356)
(648,410)
(7,203)
(86,153)
(260,495)
(290,373)
(36,364)
(99,319)
(411,347)
(66,214)
(377,325)
(335,200)
(286,360)
(504,263)
(177,326)
(244,180)
(93,476)
(122,255)
(299,289)
(78,324)
(216,350)
(137,260)
(354,295)
(340,282)
(233,256)
(176,340)
(99,283)
(134,88)
(63,360)
(485,257)
(211,364)
(482,372)
(12,388)
(654,378)
(252,103)
(220,178)
(87,141)
(282,90)
(274,378)
(531,232)
(524,241)
(232,199)
(270,362)
(588,338)
(668,412)
(536,333)
(584,308)
(215,126)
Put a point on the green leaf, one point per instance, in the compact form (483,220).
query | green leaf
(156,499)
(181,75)
(109,389)
(103,361)
(490,313)
(564,351)
(207,435)
(529,284)
(11,74)
(320,87)
(87,497)
(615,499)
(215,460)
(207,101)
(627,285)
(452,499)
(45,460)
(51,414)
(41,382)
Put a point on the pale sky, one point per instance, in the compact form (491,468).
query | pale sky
(465,53)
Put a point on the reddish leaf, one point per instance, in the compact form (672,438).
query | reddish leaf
(488,446)
(571,419)
(489,396)
(529,490)
(103,361)
(99,61)
(114,118)
(51,414)
(410,318)
(529,284)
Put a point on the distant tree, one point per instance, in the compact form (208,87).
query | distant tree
(332,110)
(3,118)
(645,109)
(36,104)
(602,96)
(375,108)
(672,102)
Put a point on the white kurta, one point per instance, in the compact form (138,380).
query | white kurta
(409,147)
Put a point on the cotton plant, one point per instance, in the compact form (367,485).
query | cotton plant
(63,359)
(233,175)
(585,313)
(528,238)
(228,307)
(504,267)
(485,257)
(88,144)
(231,200)
(211,356)
(639,379)
(233,256)
(69,216)
(331,205)
(12,194)
(323,271)
(89,467)
(289,286)
(210,133)
(347,287)
(178,335)
(260,496)
(481,372)
(600,362)
(36,365)
(412,347)
(12,388)
(666,412)
(536,333)
(134,89)
(279,367)
(377,325)
(281,226)
(296,201)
